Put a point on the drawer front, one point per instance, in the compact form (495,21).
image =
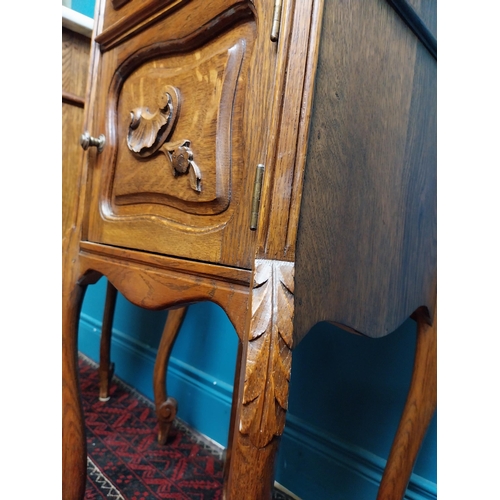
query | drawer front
(185,115)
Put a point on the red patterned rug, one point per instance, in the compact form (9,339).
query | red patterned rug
(124,459)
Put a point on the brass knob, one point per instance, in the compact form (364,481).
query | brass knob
(86,140)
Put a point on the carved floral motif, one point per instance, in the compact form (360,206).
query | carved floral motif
(149,131)
(269,357)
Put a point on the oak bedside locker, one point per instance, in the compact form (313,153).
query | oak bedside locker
(276,157)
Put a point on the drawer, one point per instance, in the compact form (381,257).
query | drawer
(182,98)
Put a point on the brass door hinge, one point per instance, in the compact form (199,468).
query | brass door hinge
(275,31)
(257,188)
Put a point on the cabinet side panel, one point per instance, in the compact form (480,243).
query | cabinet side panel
(366,248)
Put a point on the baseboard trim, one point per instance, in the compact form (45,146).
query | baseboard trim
(326,447)
(213,397)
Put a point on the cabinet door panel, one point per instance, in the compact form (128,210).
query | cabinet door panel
(176,102)
(153,173)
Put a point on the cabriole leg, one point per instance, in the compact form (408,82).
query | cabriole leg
(166,407)
(417,414)
(106,368)
(74,463)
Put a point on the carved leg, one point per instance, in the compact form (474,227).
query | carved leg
(418,411)
(166,407)
(234,419)
(73,431)
(106,368)
(263,384)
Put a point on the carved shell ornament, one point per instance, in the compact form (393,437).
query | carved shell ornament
(148,132)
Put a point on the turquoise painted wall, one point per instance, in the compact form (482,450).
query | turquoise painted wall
(85,7)
(346,392)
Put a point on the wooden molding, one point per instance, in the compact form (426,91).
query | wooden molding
(69,98)
(269,357)
(119,3)
(226,274)
(134,19)
(281,190)
(140,106)
(162,284)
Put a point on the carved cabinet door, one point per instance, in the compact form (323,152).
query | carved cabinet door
(180,94)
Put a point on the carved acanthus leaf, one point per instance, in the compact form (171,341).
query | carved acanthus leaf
(269,357)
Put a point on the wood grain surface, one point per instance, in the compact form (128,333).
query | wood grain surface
(367,227)
(283,182)
(75,64)
(155,286)
(340,108)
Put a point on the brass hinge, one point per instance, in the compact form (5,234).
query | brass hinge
(257,188)
(275,31)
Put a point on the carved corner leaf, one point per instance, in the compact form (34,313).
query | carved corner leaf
(269,357)
(285,296)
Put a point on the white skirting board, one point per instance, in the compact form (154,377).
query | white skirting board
(77,22)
